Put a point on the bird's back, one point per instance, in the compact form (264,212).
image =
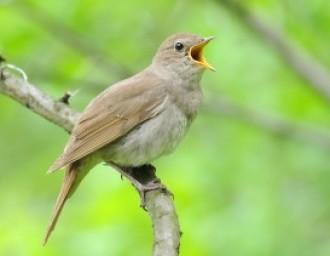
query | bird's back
(112,114)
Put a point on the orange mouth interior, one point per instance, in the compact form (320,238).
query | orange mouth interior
(196,54)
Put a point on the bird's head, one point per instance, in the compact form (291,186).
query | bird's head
(183,52)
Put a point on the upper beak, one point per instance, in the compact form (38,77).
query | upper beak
(196,53)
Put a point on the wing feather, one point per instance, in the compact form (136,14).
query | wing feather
(113,114)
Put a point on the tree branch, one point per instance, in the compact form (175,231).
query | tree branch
(305,66)
(159,205)
(33,98)
(272,124)
(165,224)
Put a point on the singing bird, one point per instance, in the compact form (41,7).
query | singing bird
(136,120)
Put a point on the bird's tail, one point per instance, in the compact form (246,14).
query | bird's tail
(71,181)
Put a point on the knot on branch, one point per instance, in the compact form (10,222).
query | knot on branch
(67,96)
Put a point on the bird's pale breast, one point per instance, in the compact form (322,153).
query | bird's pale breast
(149,140)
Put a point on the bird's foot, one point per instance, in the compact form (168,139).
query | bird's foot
(144,188)
(143,178)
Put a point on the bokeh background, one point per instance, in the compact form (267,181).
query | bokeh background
(252,175)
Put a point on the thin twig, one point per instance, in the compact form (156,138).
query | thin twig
(160,205)
(306,67)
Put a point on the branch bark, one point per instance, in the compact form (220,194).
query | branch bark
(159,205)
(36,100)
(305,66)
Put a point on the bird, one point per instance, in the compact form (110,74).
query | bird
(136,120)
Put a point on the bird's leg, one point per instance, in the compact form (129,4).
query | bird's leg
(143,178)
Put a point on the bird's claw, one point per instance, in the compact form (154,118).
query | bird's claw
(142,184)
(144,188)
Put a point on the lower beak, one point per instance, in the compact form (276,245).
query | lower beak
(196,53)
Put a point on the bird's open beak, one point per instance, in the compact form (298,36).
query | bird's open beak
(196,53)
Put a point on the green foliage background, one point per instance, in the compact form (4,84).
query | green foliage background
(239,190)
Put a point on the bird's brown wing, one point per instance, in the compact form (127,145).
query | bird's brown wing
(111,115)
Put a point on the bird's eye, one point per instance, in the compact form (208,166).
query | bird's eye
(178,46)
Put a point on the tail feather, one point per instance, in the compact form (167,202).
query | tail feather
(59,163)
(74,174)
(67,189)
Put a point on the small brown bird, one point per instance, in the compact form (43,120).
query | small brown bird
(137,119)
